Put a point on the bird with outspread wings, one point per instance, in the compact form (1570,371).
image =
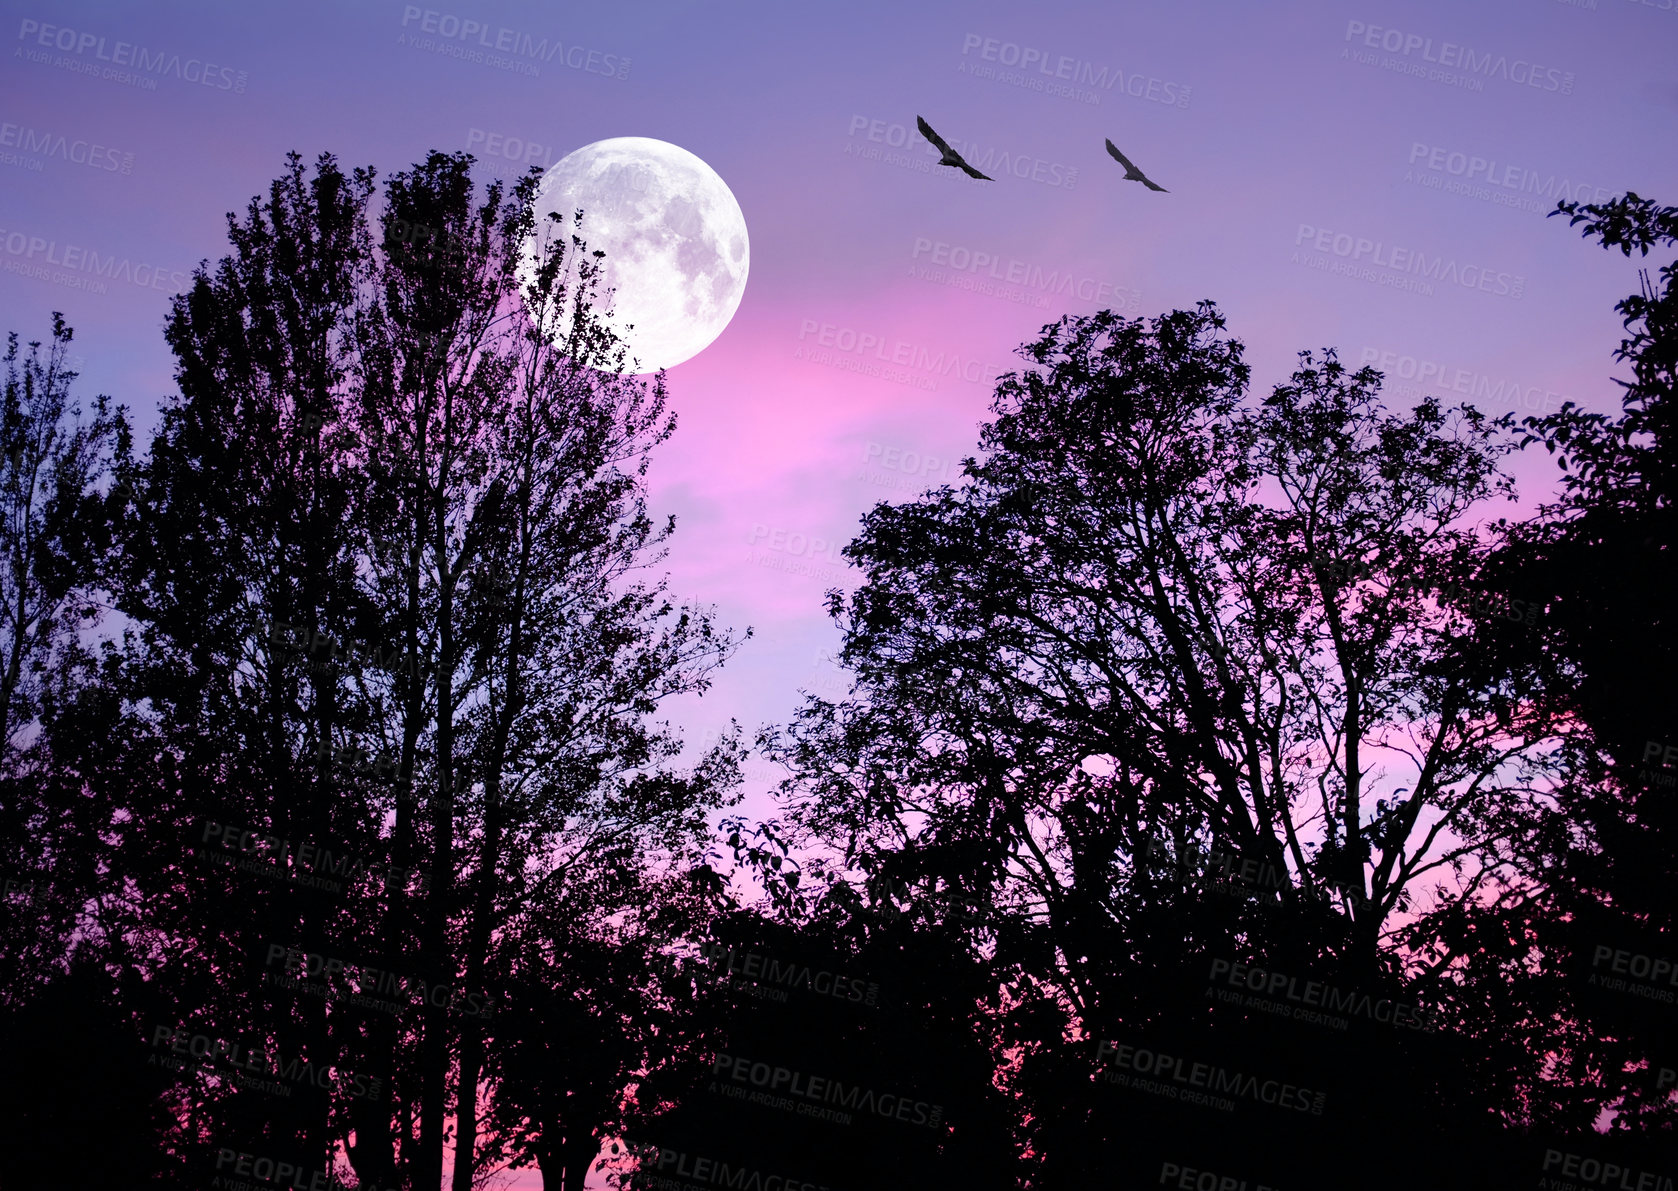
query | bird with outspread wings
(951,157)
(1131,173)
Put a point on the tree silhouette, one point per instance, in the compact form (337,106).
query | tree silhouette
(893,1014)
(1162,633)
(1601,558)
(370,797)
(59,1026)
(384,518)
(50,518)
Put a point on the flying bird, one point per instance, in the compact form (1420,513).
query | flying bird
(1131,173)
(951,157)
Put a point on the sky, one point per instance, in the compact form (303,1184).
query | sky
(1314,154)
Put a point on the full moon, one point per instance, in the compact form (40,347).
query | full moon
(674,239)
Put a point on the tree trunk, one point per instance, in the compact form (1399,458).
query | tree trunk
(488,880)
(434,1051)
(578,1157)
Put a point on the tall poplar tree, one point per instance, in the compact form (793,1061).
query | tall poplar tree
(386,560)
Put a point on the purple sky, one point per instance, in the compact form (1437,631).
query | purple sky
(1290,141)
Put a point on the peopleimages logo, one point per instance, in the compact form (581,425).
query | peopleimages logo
(300,863)
(814,1090)
(514,149)
(1408,261)
(1326,996)
(79,152)
(961,259)
(358,759)
(1639,967)
(1456,172)
(1225,871)
(1053,73)
(219,1057)
(453,32)
(800,544)
(1431,375)
(757,967)
(1480,604)
(1168,1079)
(297,638)
(662,1162)
(1669,756)
(1595,1172)
(123,53)
(914,470)
(902,352)
(443,245)
(796,554)
(263,1172)
(1668,753)
(1188,1178)
(86,260)
(1452,56)
(415,989)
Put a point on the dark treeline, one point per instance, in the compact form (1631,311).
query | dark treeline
(1228,797)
